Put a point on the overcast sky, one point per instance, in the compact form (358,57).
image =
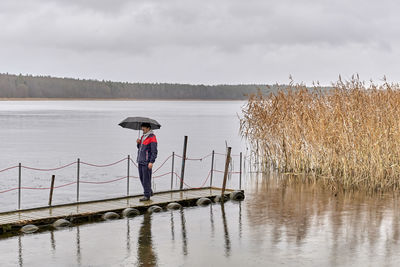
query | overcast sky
(201,41)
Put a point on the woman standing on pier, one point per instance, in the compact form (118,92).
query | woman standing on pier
(147,154)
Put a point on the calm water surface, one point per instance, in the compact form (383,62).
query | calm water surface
(278,224)
(48,134)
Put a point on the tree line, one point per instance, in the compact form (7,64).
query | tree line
(28,86)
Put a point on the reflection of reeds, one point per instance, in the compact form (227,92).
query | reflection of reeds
(294,212)
(348,137)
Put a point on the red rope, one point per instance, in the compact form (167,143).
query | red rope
(205,181)
(199,159)
(162,164)
(134,163)
(101,166)
(8,190)
(159,166)
(48,188)
(209,173)
(64,185)
(36,188)
(161,175)
(107,165)
(44,170)
(105,182)
(114,180)
(9,168)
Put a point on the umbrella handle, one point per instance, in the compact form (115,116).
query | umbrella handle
(138,134)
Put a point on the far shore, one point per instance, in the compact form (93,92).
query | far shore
(115,99)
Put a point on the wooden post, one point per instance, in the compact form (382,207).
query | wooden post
(127,178)
(19,185)
(183,161)
(172,169)
(77,179)
(212,167)
(240,172)
(228,159)
(53,177)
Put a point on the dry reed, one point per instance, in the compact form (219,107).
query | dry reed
(348,137)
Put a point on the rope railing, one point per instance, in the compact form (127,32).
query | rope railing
(103,182)
(9,190)
(162,164)
(9,168)
(108,165)
(202,185)
(79,163)
(194,159)
(36,188)
(161,175)
(46,170)
(47,188)
(134,163)
(105,165)
(64,185)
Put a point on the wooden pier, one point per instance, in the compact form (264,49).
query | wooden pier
(93,210)
(78,212)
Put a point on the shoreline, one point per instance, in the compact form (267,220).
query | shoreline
(113,99)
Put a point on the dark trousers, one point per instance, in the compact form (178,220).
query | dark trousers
(145,179)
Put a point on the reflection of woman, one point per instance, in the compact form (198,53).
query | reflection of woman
(145,254)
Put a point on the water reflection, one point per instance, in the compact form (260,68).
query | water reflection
(280,222)
(128,236)
(52,241)
(145,252)
(184,237)
(294,212)
(240,221)
(212,222)
(172,226)
(226,232)
(283,207)
(20,258)
(78,245)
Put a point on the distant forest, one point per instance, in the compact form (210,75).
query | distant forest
(28,86)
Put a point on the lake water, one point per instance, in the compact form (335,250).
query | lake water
(278,224)
(49,134)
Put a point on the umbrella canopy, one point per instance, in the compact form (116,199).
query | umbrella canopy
(136,122)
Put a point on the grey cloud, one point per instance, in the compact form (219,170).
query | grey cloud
(225,30)
(192,23)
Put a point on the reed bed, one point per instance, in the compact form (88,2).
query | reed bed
(348,136)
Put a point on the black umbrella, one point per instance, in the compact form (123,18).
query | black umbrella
(135,123)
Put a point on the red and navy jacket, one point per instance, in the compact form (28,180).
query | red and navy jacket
(147,150)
